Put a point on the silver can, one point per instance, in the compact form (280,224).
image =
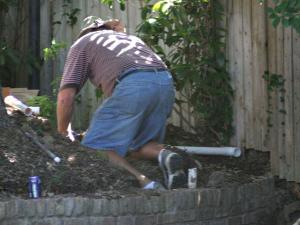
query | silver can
(34,187)
(192,178)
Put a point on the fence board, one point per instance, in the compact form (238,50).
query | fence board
(296,72)
(286,162)
(248,74)
(271,140)
(259,66)
(45,42)
(236,68)
(279,70)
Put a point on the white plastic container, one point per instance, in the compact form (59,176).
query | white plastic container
(35,110)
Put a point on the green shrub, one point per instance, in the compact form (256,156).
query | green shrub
(47,107)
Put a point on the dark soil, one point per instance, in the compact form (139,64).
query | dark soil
(87,172)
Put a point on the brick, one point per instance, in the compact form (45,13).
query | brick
(184,198)
(102,221)
(41,207)
(223,212)
(17,222)
(237,220)
(125,220)
(250,218)
(206,213)
(173,201)
(105,209)
(218,222)
(47,221)
(50,207)
(59,207)
(81,206)
(11,210)
(193,199)
(2,210)
(148,205)
(139,205)
(69,205)
(76,221)
(251,205)
(146,220)
(175,217)
(210,197)
(127,205)
(96,207)
(236,209)
(158,204)
(229,197)
(114,207)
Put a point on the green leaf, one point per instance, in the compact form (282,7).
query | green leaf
(157,6)
(281,7)
(276,21)
(285,22)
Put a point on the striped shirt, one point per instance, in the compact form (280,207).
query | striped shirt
(102,56)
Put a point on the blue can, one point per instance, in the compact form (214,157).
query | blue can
(34,187)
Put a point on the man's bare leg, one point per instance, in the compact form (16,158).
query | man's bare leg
(149,151)
(121,162)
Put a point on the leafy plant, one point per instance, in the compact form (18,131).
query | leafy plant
(47,106)
(69,12)
(46,103)
(286,12)
(110,3)
(51,53)
(195,56)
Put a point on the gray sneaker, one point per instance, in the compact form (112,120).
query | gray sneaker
(171,165)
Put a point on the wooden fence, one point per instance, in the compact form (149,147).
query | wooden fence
(253,47)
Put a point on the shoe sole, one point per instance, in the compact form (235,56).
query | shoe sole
(173,171)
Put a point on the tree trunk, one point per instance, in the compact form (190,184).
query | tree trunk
(4,120)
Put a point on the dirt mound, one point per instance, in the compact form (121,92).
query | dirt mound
(84,171)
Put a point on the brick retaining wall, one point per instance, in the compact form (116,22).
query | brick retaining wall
(235,205)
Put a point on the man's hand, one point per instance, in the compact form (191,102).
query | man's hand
(65,102)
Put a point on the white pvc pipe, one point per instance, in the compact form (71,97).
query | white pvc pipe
(17,104)
(226,151)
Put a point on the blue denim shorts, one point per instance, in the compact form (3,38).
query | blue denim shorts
(135,114)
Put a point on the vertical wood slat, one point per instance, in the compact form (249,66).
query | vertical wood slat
(248,74)
(271,139)
(236,68)
(296,94)
(288,159)
(280,71)
(133,15)
(45,42)
(259,66)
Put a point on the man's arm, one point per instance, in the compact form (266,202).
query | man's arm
(64,111)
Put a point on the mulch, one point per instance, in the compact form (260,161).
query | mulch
(83,171)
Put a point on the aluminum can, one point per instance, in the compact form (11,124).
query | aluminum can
(192,178)
(34,187)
